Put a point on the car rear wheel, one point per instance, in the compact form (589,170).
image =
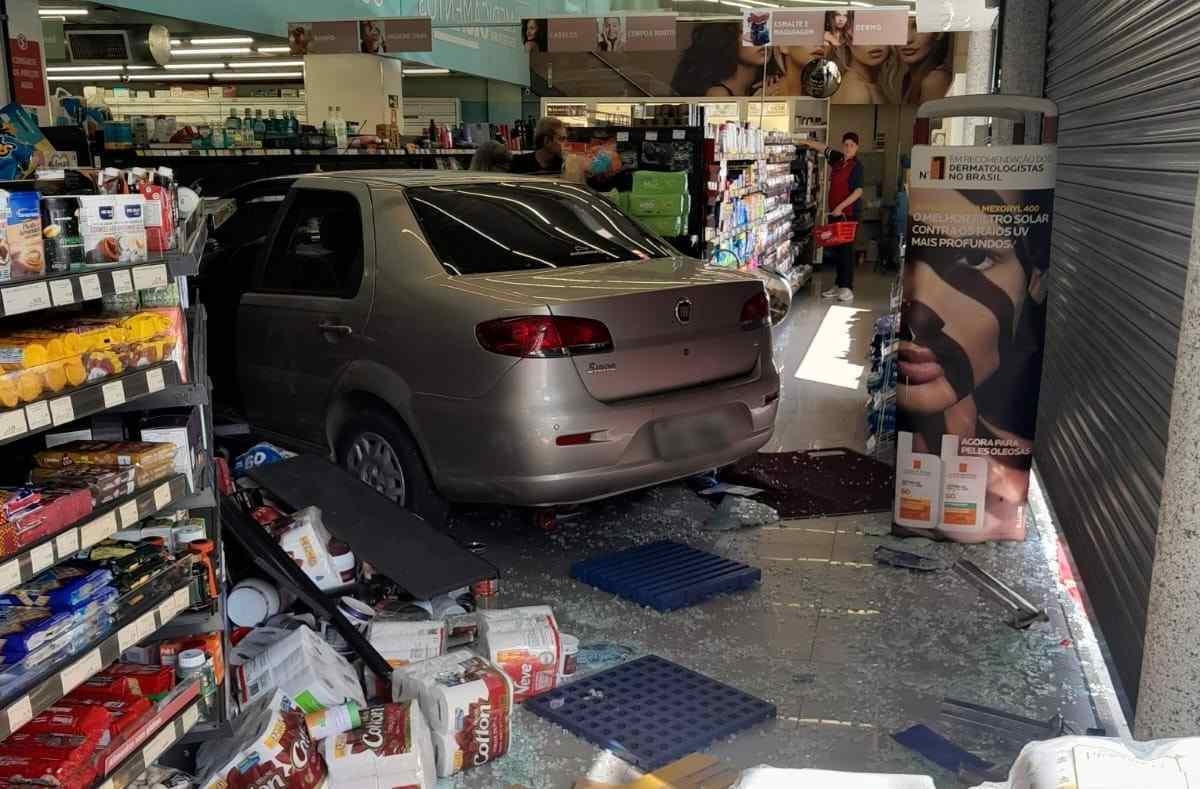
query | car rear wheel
(378,450)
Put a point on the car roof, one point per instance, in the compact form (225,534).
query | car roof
(409,178)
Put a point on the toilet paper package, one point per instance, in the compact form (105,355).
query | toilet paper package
(307,541)
(391,749)
(302,665)
(467,702)
(402,642)
(270,746)
(524,642)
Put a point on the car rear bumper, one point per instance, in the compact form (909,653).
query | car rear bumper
(495,451)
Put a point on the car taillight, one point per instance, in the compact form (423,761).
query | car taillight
(544,336)
(755,311)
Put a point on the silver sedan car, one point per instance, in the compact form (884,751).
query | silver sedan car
(463,337)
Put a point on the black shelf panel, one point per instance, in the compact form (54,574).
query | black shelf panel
(142,613)
(86,400)
(171,733)
(98,525)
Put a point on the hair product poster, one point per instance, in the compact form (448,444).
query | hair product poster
(972,332)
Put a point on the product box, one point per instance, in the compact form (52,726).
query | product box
(300,664)
(55,509)
(270,747)
(666,205)
(113,229)
(25,628)
(21,253)
(183,432)
(64,719)
(62,588)
(160,218)
(103,483)
(392,748)
(666,226)
(524,642)
(150,461)
(307,542)
(125,713)
(651,182)
(153,682)
(468,704)
(60,234)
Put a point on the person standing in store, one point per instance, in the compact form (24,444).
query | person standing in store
(548,139)
(845,200)
(491,157)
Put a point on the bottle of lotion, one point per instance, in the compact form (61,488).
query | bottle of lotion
(964,492)
(918,486)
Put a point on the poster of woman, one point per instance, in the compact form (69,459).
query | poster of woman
(371,38)
(533,35)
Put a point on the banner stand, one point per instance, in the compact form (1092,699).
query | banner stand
(972,323)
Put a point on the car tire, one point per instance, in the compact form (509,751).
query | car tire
(376,448)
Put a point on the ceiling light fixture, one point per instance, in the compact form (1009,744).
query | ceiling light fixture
(191,66)
(266,63)
(424,72)
(274,50)
(138,68)
(212,51)
(264,75)
(62,12)
(177,42)
(84,78)
(63,69)
(167,77)
(226,40)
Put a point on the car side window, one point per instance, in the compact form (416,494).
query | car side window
(319,248)
(252,220)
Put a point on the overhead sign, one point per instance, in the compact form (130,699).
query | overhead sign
(836,28)
(618,33)
(369,36)
(28,71)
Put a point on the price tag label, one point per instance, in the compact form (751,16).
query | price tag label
(128,636)
(38,415)
(25,298)
(86,666)
(651,135)
(67,543)
(114,393)
(101,528)
(160,743)
(154,380)
(146,625)
(162,496)
(678,134)
(190,717)
(61,292)
(622,136)
(129,514)
(182,598)
(149,277)
(89,287)
(62,410)
(41,557)
(121,282)
(10,575)
(108,784)
(19,713)
(12,424)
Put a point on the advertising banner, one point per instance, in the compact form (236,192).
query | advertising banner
(972,329)
(599,34)
(887,27)
(370,36)
(28,74)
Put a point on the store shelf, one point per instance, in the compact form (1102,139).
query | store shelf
(142,613)
(86,400)
(207,731)
(217,153)
(176,715)
(100,524)
(180,396)
(193,623)
(727,235)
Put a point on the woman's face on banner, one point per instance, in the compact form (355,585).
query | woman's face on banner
(752,56)
(531,30)
(965,306)
(869,56)
(839,21)
(919,45)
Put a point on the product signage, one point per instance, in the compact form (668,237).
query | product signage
(28,71)
(370,36)
(599,34)
(54,40)
(972,330)
(840,27)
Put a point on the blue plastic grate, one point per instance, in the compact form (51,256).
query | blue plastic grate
(650,711)
(665,575)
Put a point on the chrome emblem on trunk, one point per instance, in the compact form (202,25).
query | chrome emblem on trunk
(683,311)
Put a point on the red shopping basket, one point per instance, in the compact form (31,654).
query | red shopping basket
(835,234)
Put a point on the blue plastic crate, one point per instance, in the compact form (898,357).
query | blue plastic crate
(665,575)
(650,711)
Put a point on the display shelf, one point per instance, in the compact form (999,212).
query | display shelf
(175,716)
(141,614)
(180,396)
(244,152)
(774,216)
(86,400)
(192,623)
(100,524)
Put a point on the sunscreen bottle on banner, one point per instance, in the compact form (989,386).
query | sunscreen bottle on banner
(918,486)
(964,490)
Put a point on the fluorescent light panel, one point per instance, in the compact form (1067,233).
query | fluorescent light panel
(191,66)
(177,42)
(138,68)
(266,63)
(167,77)
(263,75)
(63,69)
(83,77)
(274,50)
(212,51)
(62,12)
(221,40)
(414,72)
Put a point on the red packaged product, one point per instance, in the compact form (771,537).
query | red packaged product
(70,719)
(73,748)
(45,772)
(104,687)
(125,712)
(59,508)
(150,681)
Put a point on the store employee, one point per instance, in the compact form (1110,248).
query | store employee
(548,138)
(845,199)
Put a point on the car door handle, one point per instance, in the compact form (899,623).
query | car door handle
(339,329)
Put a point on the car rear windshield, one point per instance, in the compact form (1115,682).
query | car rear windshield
(485,228)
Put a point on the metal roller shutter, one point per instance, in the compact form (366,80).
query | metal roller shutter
(1126,76)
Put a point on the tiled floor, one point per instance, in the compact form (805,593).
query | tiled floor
(848,650)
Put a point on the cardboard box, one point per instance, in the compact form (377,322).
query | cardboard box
(651,182)
(21,254)
(184,432)
(113,228)
(671,205)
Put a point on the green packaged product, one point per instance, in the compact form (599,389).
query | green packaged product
(668,205)
(651,182)
(666,226)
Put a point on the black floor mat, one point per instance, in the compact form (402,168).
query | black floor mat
(817,483)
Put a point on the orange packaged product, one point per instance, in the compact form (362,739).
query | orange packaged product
(209,643)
